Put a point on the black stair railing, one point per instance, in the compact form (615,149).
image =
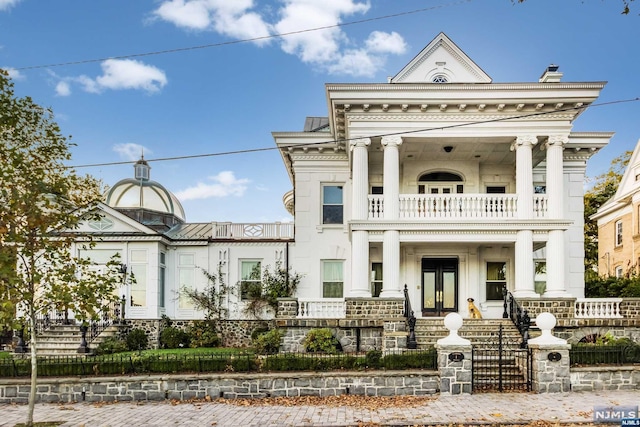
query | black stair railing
(411,320)
(519,316)
(111,314)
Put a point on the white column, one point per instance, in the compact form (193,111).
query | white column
(391,179)
(524,284)
(555,197)
(524,174)
(524,269)
(391,238)
(360,178)
(391,265)
(360,286)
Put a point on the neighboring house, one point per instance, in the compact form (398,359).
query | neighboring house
(619,224)
(438,179)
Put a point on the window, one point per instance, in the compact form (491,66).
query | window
(332,279)
(540,189)
(619,272)
(618,233)
(250,279)
(439,78)
(161,278)
(496,189)
(376,279)
(332,208)
(377,190)
(496,280)
(138,259)
(186,278)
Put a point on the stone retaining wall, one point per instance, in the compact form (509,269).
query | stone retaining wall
(185,387)
(365,334)
(595,378)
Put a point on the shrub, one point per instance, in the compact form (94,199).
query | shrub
(373,358)
(172,337)
(111,345)
(137,340)
(321,341)
(268,342)
(202,334)
(258,331)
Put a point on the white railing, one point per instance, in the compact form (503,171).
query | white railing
(598,308)
(451,206)
(328,308)
(230,230)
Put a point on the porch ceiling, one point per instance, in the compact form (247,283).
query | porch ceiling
(486,150)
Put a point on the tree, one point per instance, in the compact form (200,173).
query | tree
(213,299)
(279,283)
(42,202)
(626,5)
(602,189)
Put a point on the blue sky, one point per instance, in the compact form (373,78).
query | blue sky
(231,97)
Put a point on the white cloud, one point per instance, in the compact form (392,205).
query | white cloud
(231,18)
(381,42)
(328,49)
(131,151)
(117,74)
(63,88)
(6,4)
(13,73)
(223,184)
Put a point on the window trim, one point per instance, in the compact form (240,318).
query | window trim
(323,204)
(245,282)
(486,277)
(617,229)
(322,279)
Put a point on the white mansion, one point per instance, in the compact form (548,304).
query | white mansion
(438,179)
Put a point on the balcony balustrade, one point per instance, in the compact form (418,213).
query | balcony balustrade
(327,308)
(457,206)
(258,231)
(598,308)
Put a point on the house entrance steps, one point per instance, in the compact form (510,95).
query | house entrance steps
(62,340)
(479,331)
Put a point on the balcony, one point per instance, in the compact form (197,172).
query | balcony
(457,206)
(250,231)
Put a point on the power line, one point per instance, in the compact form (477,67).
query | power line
(253,39)
(340,141)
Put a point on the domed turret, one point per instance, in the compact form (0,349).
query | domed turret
(144,200)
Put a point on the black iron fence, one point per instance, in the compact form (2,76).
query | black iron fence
(589,354)
(130,364)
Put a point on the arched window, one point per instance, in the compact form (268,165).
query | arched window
(439,78)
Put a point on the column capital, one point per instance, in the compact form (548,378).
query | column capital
(392,140)
(558,140)
(524,141)
(360,142)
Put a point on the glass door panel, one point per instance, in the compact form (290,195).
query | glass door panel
(439,286)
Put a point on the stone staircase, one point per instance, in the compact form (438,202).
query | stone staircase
(63,340)
(478,331)
(492,370)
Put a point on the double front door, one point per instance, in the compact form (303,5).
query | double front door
(439,286)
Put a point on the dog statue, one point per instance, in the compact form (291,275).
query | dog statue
(474,313)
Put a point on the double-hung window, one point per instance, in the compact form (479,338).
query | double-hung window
(618,233)
(496,280)
(332,204)
(332,279)
(250,279)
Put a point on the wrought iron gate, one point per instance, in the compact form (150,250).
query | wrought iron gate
(501,364)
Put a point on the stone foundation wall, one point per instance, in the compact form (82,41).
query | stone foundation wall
(562,309)
(351,334)
(573,335)
(596,378)
(374,308)
(233,333)
(185,387)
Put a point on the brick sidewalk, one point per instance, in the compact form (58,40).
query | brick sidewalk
(515,408)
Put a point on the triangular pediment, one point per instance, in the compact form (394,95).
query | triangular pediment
(630,182)
(441,62)
(113,222)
